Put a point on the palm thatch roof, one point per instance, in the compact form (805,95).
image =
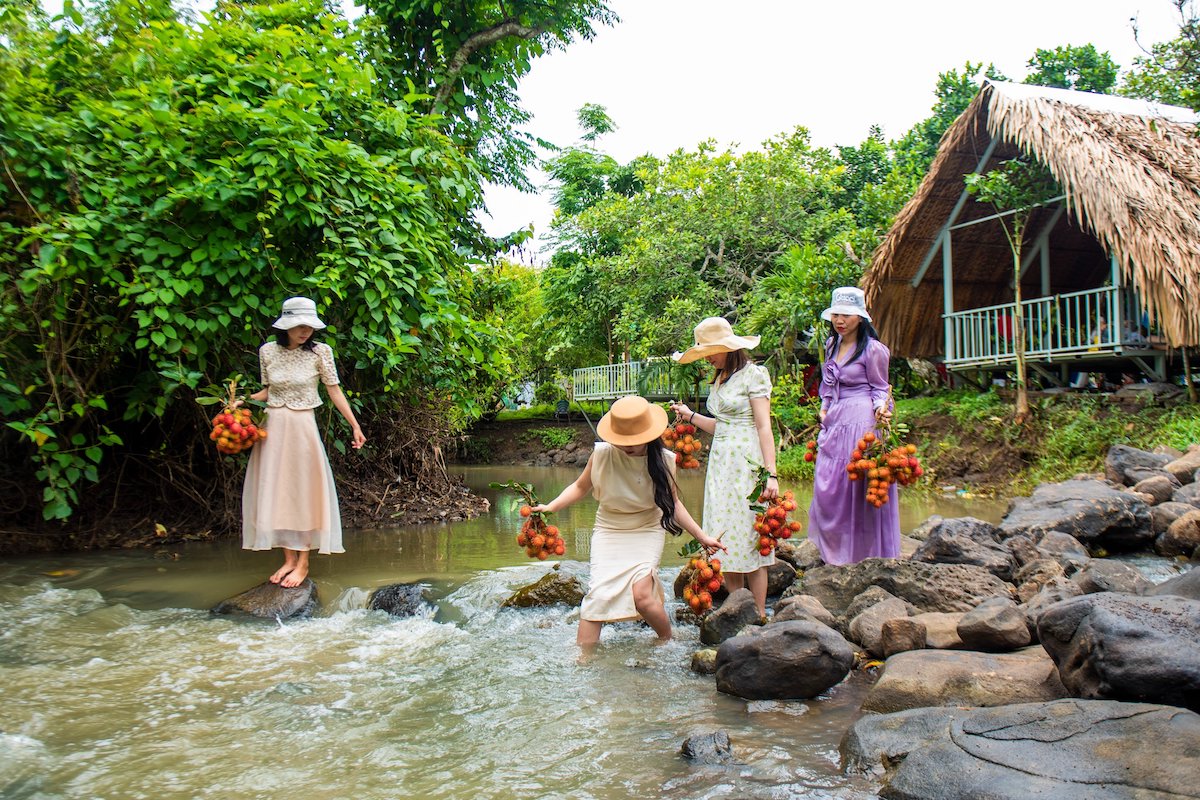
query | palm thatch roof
(1130,171)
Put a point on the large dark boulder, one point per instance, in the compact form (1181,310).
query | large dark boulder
(1120,647)
(964,678)
(1063,548)
(967,540)
(1185,585)
(928,587)
(400,600)
(1095,513)
(272,601)
(738,611)
(780,576)
(786,661)
(1123,460)
(1069,749)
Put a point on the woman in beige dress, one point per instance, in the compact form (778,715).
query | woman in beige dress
(634,483)
(289,499)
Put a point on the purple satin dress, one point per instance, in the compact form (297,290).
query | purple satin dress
(840,522)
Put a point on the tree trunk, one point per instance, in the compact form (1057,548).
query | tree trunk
(1018,334)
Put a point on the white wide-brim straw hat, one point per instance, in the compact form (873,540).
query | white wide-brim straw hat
(632,420)
(298,311)
(715,335)
(848,300)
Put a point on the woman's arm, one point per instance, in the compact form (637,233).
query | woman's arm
(684,518)
(572,494)
(262,394)
(685,414)
(761,408)
(877,357)
(338,397)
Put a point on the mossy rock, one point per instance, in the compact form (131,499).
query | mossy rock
(553,588)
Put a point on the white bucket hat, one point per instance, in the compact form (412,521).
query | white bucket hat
(715,335)
(298,311)
(847,300)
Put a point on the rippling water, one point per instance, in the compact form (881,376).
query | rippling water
(115,682)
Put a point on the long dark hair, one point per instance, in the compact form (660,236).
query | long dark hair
(664,486)
(866,331)
(281,339)
(734,360)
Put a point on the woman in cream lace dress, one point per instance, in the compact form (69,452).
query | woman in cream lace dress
(289,499)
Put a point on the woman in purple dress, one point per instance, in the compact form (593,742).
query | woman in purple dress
(855,398)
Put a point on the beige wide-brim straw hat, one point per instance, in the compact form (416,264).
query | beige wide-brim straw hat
(848,300)
(298,311)
(715,335)
(632,420)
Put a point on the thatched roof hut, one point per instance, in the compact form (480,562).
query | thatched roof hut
(1130,173)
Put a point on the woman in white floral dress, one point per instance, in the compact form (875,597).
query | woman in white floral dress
(739,418)
(289,499)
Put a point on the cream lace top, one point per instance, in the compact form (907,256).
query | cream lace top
(292,375)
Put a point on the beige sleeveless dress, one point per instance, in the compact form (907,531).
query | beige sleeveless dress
(627,541)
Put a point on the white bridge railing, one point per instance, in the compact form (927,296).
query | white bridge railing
(650,378)
(1058,327)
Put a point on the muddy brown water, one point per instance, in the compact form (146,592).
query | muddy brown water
(115,682)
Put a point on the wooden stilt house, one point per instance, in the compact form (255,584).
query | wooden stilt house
(1110,270)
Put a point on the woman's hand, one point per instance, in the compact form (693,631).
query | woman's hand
(883,415)
(771,491)
(821,416)
(710,544)
(681,410)
(358,439)
(542,508)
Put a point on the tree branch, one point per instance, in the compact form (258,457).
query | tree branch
(475,42)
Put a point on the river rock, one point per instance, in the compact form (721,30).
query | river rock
(1121,647)
(801,554)
(1023,549)
(1158,488)
(780,576)
(901,635)
(967,540)
(1184,468)
(738,611)
(866,599)
(928,587)
(272,601)
(704,661)
(1076,749)
(1189,494)
(803,606)
(1092,511)
(786,661)
(1162,515)
(1185,585)
(556,587)
(400,600)
(1053,592)
(867,627)
(941,629)
(964,678)
(1182,537)
(1033,576)
(931,523)
(1108,575)
(708,748)
(995,626)
(1123,459)
(1063,548)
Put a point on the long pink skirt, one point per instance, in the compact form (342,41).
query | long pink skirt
(289,498)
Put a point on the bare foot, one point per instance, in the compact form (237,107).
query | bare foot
(295,577)
(282,571)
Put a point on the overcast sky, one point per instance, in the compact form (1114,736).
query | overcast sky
(675,72)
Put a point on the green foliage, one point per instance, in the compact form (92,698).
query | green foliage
(1083,69)
(169,184)
(465,59)
(551,438)
(791,466)
(595,410)
(549,393)
(1170,72)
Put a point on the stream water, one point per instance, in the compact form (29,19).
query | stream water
(116,682)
